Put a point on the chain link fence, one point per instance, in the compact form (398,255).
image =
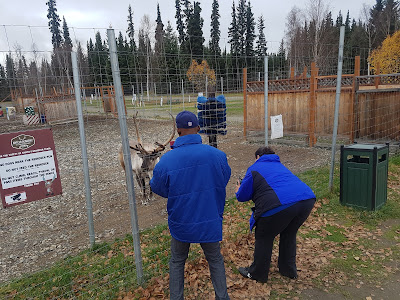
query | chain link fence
(49,250)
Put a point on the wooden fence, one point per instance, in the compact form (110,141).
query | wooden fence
(61,106)
(369,105)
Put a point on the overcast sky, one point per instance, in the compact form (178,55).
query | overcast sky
(85,17)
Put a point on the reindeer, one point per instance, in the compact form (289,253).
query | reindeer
(144,157)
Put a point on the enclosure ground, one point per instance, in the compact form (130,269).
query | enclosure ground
(45,231)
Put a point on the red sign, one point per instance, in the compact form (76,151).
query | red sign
(28,167)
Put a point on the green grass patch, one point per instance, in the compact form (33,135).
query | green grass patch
(393,233)
(234,103)
(336,234)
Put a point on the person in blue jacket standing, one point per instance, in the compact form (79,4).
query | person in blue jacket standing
(193,176)
(282,203)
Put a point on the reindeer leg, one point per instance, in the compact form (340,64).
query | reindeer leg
(140,182)
(150,191)
(145,199)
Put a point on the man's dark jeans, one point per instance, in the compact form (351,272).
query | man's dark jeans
(286,223)
(179,254)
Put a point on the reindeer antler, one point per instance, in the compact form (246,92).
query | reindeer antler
(161,147)
(139,147)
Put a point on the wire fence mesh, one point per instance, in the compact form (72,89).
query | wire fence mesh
(47,253)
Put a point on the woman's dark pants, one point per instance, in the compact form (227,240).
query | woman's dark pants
(286,223)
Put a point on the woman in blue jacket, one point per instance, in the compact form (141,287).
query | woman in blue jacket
(282,203)
(193,177)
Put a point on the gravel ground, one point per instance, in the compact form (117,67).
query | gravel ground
(36,234)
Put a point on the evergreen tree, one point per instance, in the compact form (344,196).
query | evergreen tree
(159,34)
(376,16)
(22,72)
(33,73)
(123,60)
(241,21)
(90,61)
(187,11)
(195,31)
(10,72)
(250,32)
(179,22)
(4,91)
(66,36)
(47,76)
(261,42)
(215,31)
(233,33)
(99,61)
(339,19)
(277,62)
(83,66)
(54,24)
(347,23)
(131,30)
(66,54)
(171,50)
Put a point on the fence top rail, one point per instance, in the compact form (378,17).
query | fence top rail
(333,76)
(379,75)
(279,80)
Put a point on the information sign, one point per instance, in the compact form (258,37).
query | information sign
(28,167)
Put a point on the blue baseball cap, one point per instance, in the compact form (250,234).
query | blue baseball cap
(186,119)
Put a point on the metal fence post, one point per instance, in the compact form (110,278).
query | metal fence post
(85,163)
(337,102)
(126,151)
(266,119)
(183,96)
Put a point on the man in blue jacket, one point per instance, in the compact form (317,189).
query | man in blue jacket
(282,203)
(193,177)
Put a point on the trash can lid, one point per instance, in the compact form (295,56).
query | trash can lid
(365,146)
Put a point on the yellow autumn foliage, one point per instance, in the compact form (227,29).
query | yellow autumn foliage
(387,56)
(199,74)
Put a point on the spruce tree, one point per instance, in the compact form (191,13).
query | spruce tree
(66,36)
(339,19)
(261,42)
(233,33)
(90,60)
(180,27)
(282,61)
(195,31)
(99,61)
(10,72)
(131,30)
(250,32)
(171,50)
(54,24)
(159,34)
(4,91)
(241,21)
(215,31)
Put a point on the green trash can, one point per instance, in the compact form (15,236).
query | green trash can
(363,175)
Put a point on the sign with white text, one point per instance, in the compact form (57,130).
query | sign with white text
(28,167)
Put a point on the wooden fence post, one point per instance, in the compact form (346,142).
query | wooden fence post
(377,79)
(291,72)
(312,106)
(245,103)
(353,97)
(304,75)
